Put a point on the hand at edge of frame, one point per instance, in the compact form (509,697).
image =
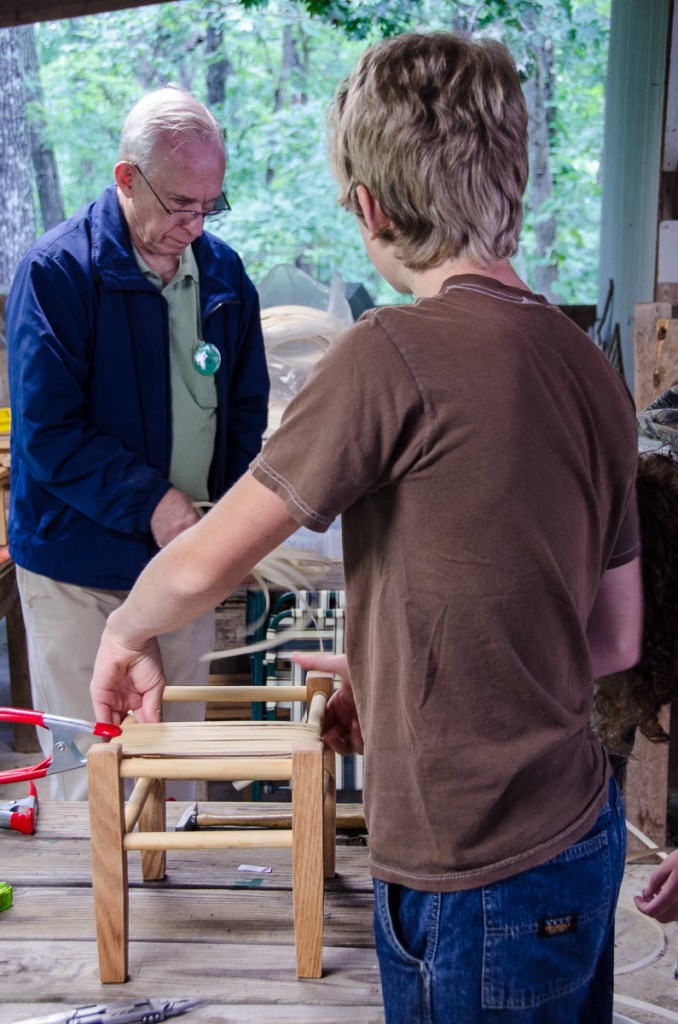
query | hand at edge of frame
(342,725)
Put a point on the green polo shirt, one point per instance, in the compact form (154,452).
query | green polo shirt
(194,397)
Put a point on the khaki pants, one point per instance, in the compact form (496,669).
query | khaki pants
(64,624)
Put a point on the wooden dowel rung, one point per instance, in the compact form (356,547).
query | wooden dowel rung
(258,694)
(135,804)
(276,838)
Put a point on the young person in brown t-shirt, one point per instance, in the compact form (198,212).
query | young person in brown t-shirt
(482,454)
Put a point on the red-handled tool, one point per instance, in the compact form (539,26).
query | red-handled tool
(20,815)
(66,754)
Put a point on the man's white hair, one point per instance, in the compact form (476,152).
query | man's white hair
(165,118)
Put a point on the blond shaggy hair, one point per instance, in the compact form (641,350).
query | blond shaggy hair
(434,125)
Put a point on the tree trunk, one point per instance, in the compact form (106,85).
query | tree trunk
(290,63)
(17,216)
(538,94)
(44,163)
(218,68)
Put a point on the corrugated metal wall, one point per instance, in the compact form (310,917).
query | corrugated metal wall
(632,160)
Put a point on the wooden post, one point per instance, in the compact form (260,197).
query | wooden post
(25,739)
(656,370)
(330,813)
(647,786)
(153,819)
(109,859)
(320,682)
(307,857)
(655,337)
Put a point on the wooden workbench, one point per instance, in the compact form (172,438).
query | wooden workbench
(208,930)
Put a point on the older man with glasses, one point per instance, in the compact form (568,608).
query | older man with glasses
(139,390)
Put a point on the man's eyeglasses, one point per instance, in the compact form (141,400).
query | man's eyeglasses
(219,206)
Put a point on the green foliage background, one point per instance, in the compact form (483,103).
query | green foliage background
(278,180)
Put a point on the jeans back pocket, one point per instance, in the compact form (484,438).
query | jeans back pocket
(546,927)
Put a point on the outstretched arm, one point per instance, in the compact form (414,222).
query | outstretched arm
(342,727)
(193,574)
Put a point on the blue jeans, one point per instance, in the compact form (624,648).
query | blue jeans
(537,948)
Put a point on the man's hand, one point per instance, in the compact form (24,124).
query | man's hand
(342,727)
(173,514)
(127,680)
(659,898)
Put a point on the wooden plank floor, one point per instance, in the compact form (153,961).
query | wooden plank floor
(207,931)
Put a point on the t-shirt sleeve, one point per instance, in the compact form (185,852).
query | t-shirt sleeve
(628,543)
(354,427)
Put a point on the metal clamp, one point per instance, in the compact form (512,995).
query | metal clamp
(66,755)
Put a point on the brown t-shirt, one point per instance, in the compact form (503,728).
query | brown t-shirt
(482,453)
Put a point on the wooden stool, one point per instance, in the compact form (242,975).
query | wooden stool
(213,751)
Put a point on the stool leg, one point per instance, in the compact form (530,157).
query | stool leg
(330,814)
(154,819)
(323,683)
(109,860)
(307,857)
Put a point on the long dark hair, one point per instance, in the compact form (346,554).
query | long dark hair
(633,699)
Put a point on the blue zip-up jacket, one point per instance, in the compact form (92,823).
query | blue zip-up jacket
(88,358)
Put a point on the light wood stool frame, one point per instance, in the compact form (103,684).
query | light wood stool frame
(213,751)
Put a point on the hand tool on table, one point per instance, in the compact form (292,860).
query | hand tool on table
(191,820)
(66,755)
(20,815)
(146,1011)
